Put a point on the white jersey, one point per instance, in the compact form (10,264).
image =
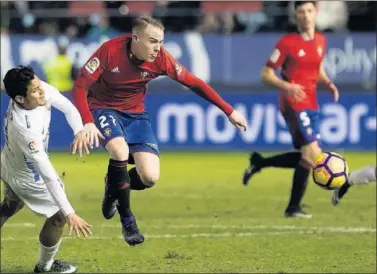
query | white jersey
(26,139)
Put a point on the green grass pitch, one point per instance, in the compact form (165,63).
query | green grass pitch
(199,218)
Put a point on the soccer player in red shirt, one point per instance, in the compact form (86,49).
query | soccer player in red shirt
(109,94)
(300,57)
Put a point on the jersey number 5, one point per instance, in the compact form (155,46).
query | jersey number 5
(103,123)
(304,118)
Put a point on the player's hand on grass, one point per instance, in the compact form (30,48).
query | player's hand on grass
(296,91)
(334,91)
(238,120)
(93,134)
(81,141)
(78,225)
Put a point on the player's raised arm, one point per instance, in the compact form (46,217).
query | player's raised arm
(91,71)
(72,116)
(269,77)
(180,74)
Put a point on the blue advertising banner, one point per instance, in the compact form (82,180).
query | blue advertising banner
(235,59)
(185,121)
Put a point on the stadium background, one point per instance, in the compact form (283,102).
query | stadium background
(225,44)
(226,49)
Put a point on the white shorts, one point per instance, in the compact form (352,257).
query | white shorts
(34,195)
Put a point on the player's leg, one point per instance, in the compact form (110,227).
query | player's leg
(113,125)
(50,238)
(360,176)
(116,179)
(9,207)
(285,160)
(147,171)
(36,196)
(144,152)
(300,181)
(363,176)
(11,203)
(304,128)
(257,162)
(144,175)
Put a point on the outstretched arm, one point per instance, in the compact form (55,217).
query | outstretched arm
(206,92)
(61,103)
(180,74)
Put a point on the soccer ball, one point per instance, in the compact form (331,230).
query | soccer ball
(330,170)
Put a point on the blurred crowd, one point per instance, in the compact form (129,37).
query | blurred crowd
(92,19)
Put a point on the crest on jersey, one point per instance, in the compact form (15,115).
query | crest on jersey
(275,56)
(107,132)
(178,68)
(92,65)
(145,74)
(33,147)
(320,51)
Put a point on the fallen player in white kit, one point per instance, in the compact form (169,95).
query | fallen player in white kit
(26,171)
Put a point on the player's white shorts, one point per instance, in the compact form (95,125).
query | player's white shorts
(34,195)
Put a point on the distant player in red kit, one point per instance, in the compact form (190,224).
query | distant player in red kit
(300,56)
(110,92)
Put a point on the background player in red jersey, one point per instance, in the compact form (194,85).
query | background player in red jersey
(300,57)
(109,93)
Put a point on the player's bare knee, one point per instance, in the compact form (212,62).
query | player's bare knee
(58,220)
(310,152)
(149,179)
(118,149)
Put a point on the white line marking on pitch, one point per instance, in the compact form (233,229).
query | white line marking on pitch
(180,236)
(264,227)
(19,225)
(272,227)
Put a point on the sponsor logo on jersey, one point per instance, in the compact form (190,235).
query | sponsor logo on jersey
(145,74)
(107,132)
(33,147)
(115,70)
(92,65)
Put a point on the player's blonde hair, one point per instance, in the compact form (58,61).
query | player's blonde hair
(143,21)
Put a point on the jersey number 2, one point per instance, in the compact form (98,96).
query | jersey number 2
(103,123)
